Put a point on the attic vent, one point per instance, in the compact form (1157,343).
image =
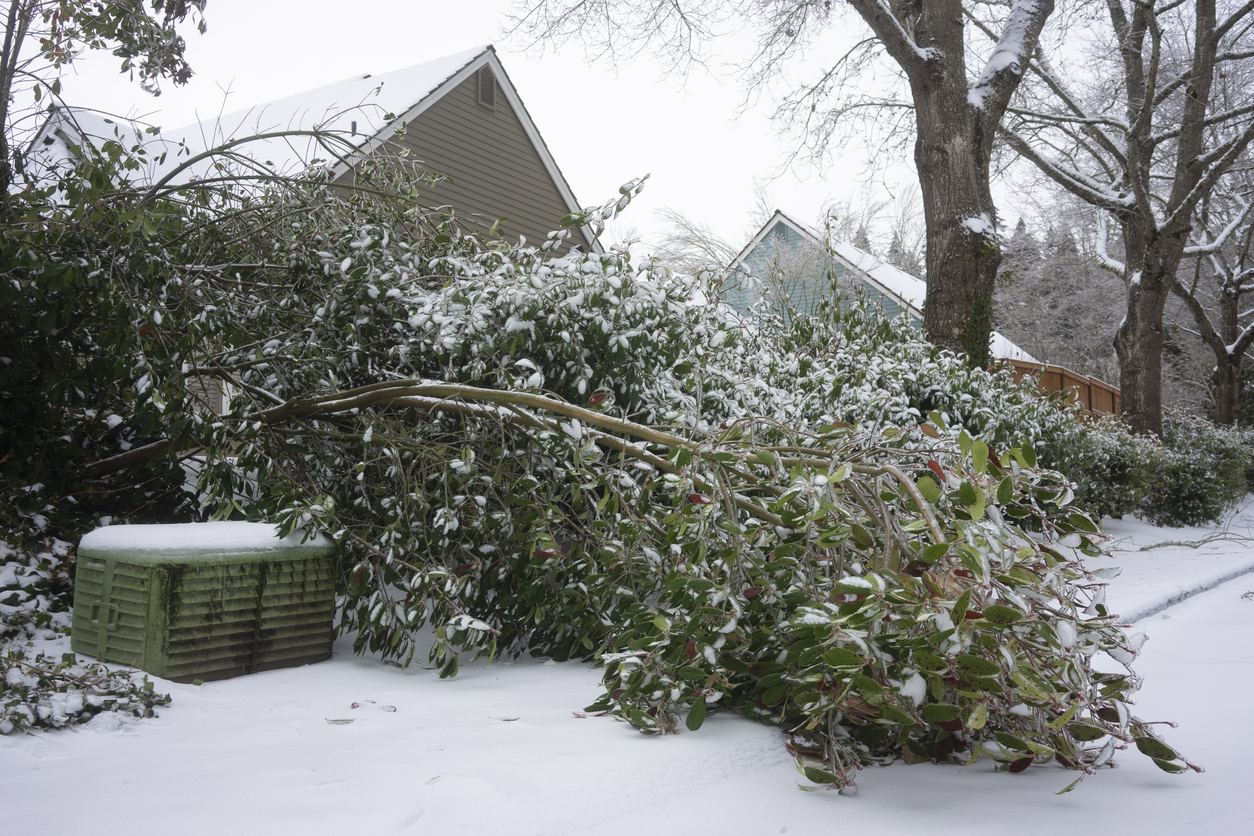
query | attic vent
(487,87)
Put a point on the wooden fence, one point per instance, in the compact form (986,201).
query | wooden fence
(1097,397)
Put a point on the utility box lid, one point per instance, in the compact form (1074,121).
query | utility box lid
(203,600)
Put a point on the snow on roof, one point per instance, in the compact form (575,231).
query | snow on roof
(359,110)
(911,290)
(880,274)
(362,112)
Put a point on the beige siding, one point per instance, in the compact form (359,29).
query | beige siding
(492,168)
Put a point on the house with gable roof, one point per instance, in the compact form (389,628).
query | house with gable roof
(793,258)
(459,115)
(789,257)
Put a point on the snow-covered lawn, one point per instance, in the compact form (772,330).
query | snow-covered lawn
(501,748)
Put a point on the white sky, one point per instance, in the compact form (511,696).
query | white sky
(603,126)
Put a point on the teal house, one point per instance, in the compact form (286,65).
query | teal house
(787,258)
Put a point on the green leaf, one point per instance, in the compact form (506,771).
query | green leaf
(1082,523)
(818,776)
(696,714)
(928,661)
(971,559)
(1023,576)
(973,667)
(961,606)
(967,493)
(1029,455)
(1001,616)
(1084,732)
(940,712)
(977,507)
(866,685)
(1070,786)
(1005,491)
(1168,766)
(979,455)
(661,624)
(840,657)
(964,441)
(690,673)
(833,537)
(892,712)
(775,695)
(1011,742)
(929,489)
(1156,749)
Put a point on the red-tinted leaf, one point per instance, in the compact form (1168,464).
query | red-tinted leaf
(972,615)
(951,725)
(691,649)
(935,467)
(544,553)
(752,591)
(1021,764)
(597,398)
(929,431)
(698,499)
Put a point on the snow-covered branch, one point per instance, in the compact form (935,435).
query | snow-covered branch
(999,78)
(1103,257)
(1215,244)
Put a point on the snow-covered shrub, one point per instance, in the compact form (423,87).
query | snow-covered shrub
(1201,473)
(1112,467)
(39,686)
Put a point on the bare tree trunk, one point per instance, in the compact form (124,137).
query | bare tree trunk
(1139,344)
(956,122)
(1227,380)
(963,249)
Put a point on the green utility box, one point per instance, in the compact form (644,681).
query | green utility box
(203,600)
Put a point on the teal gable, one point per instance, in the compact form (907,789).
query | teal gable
(789,259)
(795,261)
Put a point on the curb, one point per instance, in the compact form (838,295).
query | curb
(1156,607)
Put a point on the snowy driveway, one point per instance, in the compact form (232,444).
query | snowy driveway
(498,750)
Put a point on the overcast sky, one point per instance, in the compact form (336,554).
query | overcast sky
(704,151)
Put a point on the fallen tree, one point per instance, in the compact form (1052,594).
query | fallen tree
(818,521)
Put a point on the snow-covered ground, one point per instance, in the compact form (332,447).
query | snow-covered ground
(500,749)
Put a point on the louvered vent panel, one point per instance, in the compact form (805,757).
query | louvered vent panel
(487,87)
(205,616)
